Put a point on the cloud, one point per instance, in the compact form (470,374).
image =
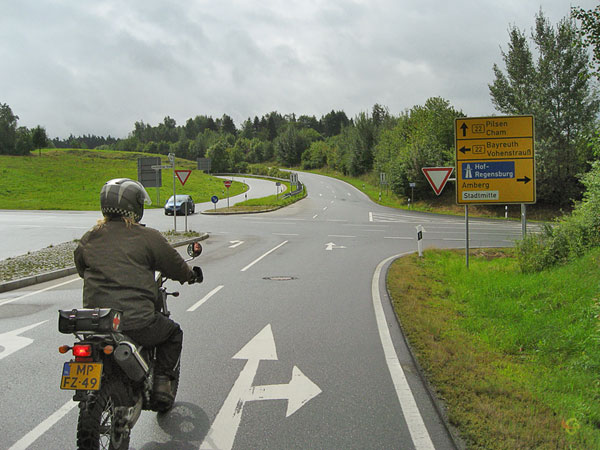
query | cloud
(97,67)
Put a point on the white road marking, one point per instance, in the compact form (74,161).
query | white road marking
(34,434)
(235,244)
(370,217)
(11,342)
(285,234)
(38,292)
(412,416)
(297,392)
(325,208)
(398,237)
(261,257)
(340,235)
(205,298)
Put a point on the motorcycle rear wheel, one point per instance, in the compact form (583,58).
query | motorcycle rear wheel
(97,424)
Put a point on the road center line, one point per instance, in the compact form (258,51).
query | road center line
(34,434)
(261,257)
(38,292)
(412,416)
(206,297)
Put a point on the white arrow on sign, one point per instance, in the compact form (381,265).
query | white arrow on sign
(297,392)
(235,243)
(12,342)
(331,246)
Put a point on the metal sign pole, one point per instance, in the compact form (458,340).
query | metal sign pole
(172,159)
(524,219)
(467,234)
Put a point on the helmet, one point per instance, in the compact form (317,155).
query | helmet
(124,197)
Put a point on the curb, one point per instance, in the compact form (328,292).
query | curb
(60,273)
(439,405)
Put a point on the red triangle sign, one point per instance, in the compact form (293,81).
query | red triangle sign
(183,175)
(437,177)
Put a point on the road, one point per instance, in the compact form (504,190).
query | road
(34,230)
(290,342)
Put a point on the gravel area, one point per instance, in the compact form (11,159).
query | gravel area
(53,258)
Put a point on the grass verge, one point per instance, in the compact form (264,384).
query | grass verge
(514,356)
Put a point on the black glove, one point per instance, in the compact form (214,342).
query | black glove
(198,277)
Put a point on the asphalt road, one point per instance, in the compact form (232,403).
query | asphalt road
(290,342)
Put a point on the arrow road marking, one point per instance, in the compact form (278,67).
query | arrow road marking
(12,342)
(235,243)
(331,246)
(297,392)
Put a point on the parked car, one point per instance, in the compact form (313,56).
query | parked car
(181,202)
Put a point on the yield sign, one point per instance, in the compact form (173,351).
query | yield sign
(437,177)
(183,175)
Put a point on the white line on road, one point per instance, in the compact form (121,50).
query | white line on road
(324,208)
(370,217)
(37,292)
(412,416)
(315,216)
(398,237)
(258,259)
(205,298)
(340,235)
(285,234)
(34,434)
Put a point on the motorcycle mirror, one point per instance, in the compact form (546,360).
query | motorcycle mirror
(194,249)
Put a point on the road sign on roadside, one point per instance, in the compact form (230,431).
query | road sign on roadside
(183,175)
(227,183)
(495,160)
(437,177)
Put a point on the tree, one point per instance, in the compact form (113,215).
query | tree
(8,130)
(556,89)
(590,31)
(39,137)
(23,141)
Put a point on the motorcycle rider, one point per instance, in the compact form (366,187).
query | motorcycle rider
(117,260)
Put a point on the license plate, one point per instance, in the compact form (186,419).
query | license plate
(81,376)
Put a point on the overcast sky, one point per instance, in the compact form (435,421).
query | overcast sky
(97,67)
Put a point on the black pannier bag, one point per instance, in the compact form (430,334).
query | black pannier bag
(100,320)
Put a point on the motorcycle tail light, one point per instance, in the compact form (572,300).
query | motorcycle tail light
(82,350)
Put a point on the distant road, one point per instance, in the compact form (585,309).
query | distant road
(25,230)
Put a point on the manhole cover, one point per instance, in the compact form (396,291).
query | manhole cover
(279,278)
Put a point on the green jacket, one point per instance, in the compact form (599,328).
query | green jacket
(117,264)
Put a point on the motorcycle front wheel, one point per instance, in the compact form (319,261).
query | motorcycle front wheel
(97,427)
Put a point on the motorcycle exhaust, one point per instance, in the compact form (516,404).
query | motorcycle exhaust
(129,359)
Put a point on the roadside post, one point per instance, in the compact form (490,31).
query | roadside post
(495,163)
(420,239)
(412,193)
(277,184)
(214,199)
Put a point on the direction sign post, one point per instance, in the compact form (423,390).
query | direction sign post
(227,184)
(495,162)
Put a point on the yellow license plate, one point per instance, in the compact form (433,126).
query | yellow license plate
(81,376)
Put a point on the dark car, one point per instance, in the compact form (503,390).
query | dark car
(182,202)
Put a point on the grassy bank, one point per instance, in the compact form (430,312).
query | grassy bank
(515,357)
(71,179)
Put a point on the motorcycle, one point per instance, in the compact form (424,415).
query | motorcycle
(111,375)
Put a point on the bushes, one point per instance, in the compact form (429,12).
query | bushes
(569,237)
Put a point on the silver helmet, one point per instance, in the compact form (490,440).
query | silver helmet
(124,197)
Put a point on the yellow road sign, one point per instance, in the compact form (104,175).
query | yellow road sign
(495,160)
